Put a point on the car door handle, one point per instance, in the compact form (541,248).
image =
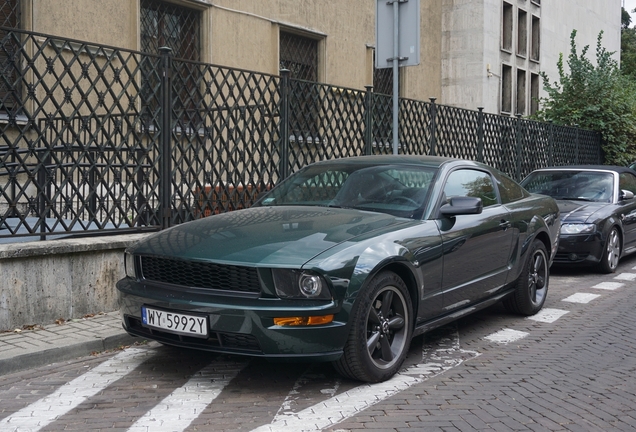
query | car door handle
(504,224)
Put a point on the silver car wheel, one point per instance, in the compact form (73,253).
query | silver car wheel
(538,277)
(613,250)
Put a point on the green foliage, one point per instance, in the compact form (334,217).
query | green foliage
(594,96)
(626,18)
(628,52)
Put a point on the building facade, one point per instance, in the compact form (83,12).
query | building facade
(474,53)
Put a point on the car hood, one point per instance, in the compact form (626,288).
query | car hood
(268,236)
(578,211)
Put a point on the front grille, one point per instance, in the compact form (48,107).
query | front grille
(194,274)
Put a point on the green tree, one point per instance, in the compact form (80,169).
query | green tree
(594,96)
(626,18)
(628,46)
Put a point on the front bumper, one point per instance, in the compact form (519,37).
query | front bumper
(579,249)
(237,325)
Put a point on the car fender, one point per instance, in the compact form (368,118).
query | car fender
(606,225)
(544,226)
(403,252)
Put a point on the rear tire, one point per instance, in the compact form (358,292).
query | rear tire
(532,284)
(380,332)
(612,252)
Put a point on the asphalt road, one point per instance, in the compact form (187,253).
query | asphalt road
(570,368)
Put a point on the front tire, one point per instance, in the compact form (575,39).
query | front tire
(381,329)
(532,284)
(612,252)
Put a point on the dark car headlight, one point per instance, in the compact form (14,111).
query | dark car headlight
(300,284)
(577,228)
(129,265)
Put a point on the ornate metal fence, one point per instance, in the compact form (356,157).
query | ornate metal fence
(98,139)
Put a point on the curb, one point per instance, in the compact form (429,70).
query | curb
(63,353)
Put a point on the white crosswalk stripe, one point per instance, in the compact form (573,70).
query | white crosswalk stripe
(436,359)
(581,298)
(548,315)
(626,276)
(506,336)
(46,410)
(610,286)
(185,404)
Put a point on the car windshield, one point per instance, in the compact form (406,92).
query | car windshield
(572,184)
(394,189)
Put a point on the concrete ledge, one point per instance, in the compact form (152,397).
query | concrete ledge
(67,278)
(62,246)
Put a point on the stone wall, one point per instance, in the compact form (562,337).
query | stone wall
(43,281)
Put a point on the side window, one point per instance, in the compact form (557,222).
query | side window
(627,181)
(471,183)
(509,190)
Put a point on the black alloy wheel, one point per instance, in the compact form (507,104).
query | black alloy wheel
(381,329)
(532,284)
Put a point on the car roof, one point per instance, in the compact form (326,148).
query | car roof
(430,161)
(615,168)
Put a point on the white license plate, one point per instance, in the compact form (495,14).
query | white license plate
(174,322)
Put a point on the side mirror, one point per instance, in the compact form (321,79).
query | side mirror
(462,206)
(625,195)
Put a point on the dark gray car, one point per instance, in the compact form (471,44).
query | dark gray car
(598,212)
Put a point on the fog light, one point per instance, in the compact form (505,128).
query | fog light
(573,257)
(303,321)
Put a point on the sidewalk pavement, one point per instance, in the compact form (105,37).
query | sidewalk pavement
(42,345)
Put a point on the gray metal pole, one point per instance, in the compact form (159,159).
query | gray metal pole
(396,75)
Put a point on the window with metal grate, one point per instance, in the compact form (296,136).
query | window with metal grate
(9,49)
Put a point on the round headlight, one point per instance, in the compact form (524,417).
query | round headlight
(310,285)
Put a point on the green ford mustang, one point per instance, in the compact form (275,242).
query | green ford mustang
(345,261)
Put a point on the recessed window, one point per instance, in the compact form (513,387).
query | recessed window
(522,33)
(506,89)
(521,92)
(167,24)
(299,54)
(506,31)
(164,24)
(9,83)
(535,83)
(536,38)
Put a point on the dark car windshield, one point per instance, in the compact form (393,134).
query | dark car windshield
(572,184)
(395,189)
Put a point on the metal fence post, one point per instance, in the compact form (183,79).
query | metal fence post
(576,142)
(284,123)
(432,142)
(165,175)
(551,143)
(480,134)
(519,148)
(368,120)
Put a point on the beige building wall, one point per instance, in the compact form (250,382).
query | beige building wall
(461,52)
(244,34)
(107,22)
(344,29)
